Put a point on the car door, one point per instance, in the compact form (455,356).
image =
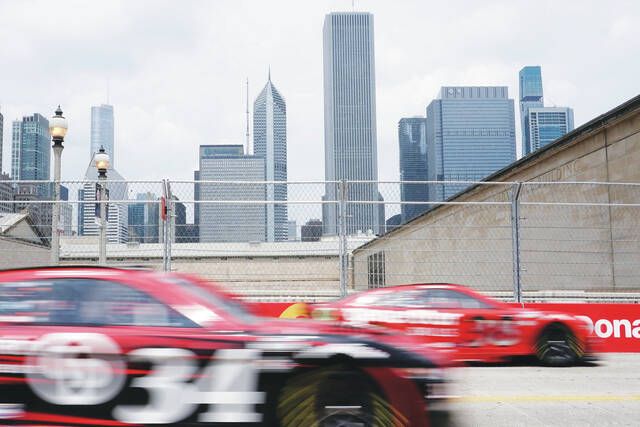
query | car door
(483,332)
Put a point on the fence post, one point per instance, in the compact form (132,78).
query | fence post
(515,240)
(167,226)
(342,236)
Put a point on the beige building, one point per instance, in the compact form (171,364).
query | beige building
(20,243)
(574,234)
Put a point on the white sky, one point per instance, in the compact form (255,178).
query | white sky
(176,70)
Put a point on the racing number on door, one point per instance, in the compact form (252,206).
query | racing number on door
(228,384)
(485,332)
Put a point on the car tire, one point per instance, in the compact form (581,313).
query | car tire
(558,346)
(335,396)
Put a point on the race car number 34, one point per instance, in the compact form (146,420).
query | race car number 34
(228,384)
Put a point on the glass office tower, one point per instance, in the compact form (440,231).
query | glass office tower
(547,124)
(412,138)
(470,134)
(102,130)
(350,121)
(530,82)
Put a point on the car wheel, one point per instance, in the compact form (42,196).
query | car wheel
(558,346)
(336,396)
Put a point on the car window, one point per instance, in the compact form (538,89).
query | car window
(407,299)
(224,304)
(84,302)
(448,298)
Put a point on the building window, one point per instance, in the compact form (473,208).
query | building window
(376,270)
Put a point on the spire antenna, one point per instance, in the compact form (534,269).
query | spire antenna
(269,72)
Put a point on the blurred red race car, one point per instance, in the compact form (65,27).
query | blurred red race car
(115,347)
(466,324)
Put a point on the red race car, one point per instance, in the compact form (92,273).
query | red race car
(466,324)
(115,347)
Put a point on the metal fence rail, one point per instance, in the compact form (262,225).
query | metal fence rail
(317,240)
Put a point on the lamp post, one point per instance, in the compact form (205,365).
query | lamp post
(101,160)
(58,129)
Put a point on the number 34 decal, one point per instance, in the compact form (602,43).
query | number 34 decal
(228,384)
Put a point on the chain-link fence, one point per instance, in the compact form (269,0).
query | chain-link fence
(319,240)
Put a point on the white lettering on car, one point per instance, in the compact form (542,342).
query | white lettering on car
(89,369)
(418,316)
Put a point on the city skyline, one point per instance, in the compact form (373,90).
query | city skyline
(164,106)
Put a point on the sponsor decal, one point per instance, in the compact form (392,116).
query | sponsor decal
(431,317)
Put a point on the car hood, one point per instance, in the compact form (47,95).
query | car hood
(374,336)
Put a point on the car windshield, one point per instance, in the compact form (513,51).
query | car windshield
(230,306)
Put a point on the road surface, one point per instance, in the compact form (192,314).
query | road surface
(605,394)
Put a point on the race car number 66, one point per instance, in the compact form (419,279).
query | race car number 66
(87,369)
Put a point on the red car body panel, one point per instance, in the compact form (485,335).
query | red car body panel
(467,327)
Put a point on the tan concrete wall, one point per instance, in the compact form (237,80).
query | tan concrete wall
(562,247)
(254,275)
(18,254)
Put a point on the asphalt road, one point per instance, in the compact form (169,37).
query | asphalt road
(605,394)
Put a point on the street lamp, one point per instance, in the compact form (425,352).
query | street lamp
(101,160)
(58,129)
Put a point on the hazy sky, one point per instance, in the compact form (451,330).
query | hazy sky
(176,69)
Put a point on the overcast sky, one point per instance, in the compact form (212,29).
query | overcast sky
(176,69)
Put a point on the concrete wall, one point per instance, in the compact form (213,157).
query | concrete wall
(18,254)
(590,247)
(307,277)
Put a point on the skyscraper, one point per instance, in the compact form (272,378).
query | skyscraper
(1,139)
(350,121)
(470,134)
(530,97)
(117,213)
(30,148)
(102,130)
(412,137)
(144,218)
(546,124)
(270,143)
(540,125)
(225,222)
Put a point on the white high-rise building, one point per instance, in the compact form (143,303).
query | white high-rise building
(117,213)
(270,143)
(220,221)
(102,130)
(350,121)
